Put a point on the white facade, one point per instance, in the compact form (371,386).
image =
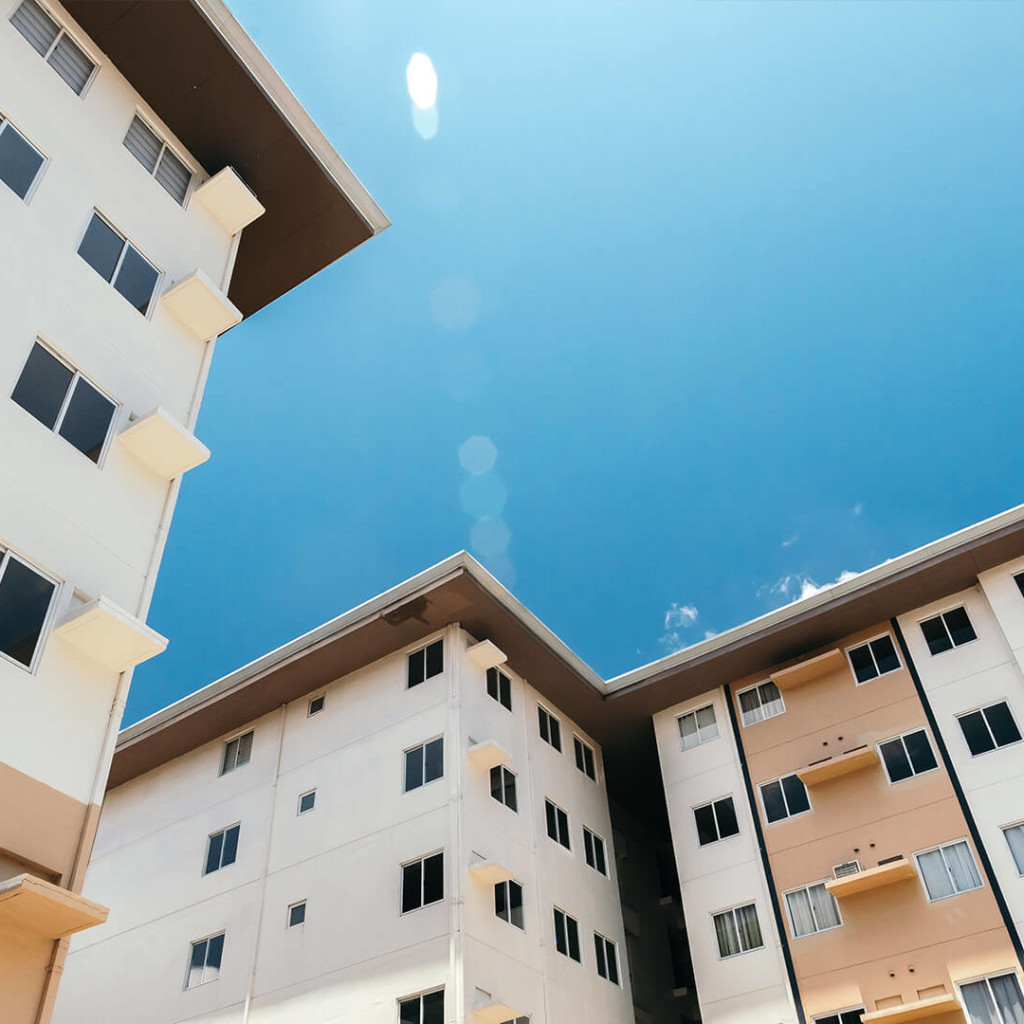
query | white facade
(356,955)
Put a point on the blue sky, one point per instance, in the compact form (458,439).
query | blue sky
(733,288)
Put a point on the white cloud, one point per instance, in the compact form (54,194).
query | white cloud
(790,541)
(798,586)
(678,617)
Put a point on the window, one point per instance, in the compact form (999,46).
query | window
(812,908)
(995,1000)
(873,659)
(1015,840)
(558,824)
(696,727)
(842,1017)
(204,961)
(25,599)
(716,821)
(425,1009)
(297,913)
(567,936)
(499,686)
(307,801)
(760,702)
(550,730)
(989,727)
(118,262)
(508,902)
(907,755)
(948,630)
(784,798)
(316,705)
(737,931)
(422,882)
(151,151)
(1019,580)
(54,45)
(503,787)
(593,850)
(221,849)
(517,1020)
(64,401)
(948,870)
(607,958)
(236,753)
(424,764)
(425,663)
(584,758)
(20,161)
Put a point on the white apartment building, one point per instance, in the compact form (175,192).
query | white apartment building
(152,166)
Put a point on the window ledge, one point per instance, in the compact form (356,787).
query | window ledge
(920,1010)
(201,306)
(872,878)
(31,905)
(486,655)
(487,754)
(110,636)
(807,671)
(490,872)
(835,767)
(229,201)
(163,444)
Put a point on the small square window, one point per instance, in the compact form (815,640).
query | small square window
(422,882)
(697,727)
(737,930)
(204,961)
(119,263)
(236,753)
(499,688)
(425,663)
(424,763)
(948,870)
(25,600)
(425,1009)
(812,908)
(307,801)
(550,729)
(1019,580)
(48,38)
(760,702)
(297,914)
(316,705)
(584,758)
(989,728)
(907,755)
(20,161)
(784,798)
(221,849)
(153,153)
(948,630)
(716,821)
(875,658)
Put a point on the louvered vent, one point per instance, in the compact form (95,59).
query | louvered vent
(851,867)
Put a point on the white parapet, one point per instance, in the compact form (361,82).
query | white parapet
(163,444)
(201,306)
(229,201)
(110,636)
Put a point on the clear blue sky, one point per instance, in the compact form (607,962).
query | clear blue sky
(734,288)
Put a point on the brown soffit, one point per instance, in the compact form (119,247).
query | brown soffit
(210,84)
(617,713)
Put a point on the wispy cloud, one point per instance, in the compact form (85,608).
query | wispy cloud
(790,541)
(678,617)
(799,586)
(858,508)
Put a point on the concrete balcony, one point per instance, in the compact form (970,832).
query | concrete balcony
(920,1010)
(489,872)
(29,905)
(201,306)
(807,671)
(489,1010)
(487,754)
(110,636)
(899,869)
(229,201)
(835,767)
(486,655)
(165,446)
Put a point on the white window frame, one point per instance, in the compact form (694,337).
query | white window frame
(421,860)
(415,995)
(186,987)
(902,738)
(505,770)
(422,645)
(982,708)
(223,750)
(576,738)
(206,850)
(551,715)
(817,931)
(711,803)
(694,712)
(595,838)
(115,417)
(788,817)
(498,676)
(6,122)
(857,1008)
(6,554)
(765,718)
(614,947)
(1004,829)
(867,643)
(960,982)
(943,846)
(579,935)
(77,39)
(162,134)
(154,299)
(320,710)
(298,803)
(422,746)
(568,825)
(942,615)
(732,910)
(288,915)
(508,903)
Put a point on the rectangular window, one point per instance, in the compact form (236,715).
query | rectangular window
(307,801)
(875,658)
(842,1017)
(607,958)
(812,908)
(204,961)
(948,870)
(53,44)
(425,1009)
(716,821)
(422,882)
(760,702)
(989,727)
(151,151)
(593,849)
(948,630)
(65,402)
(20,161)
(25,599)
(1015,840)
(907,755)
(316,705)
(550,729)
(558,824)
(499,687)
(994,1000)
(784,798)
(236,753)
(119,263)
(1019,580)
(737,931)
(221,849)
(297,914)
(503,787)
(567,936)
(696,727)
(508,902)
(424,764)
(426,663)
(584,758)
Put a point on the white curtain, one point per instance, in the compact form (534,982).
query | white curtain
(826,911)
(749,929)
(707,727)
(800,914)
(961,867)
(1015,837)
(728,940)
(750,705)
(936,877)
(978,1001)
(771,699)
(1006,990)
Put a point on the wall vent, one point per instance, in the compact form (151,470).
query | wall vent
(851,867)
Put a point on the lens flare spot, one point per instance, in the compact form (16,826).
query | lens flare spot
(483,496)
(425,122)
(490,536)
(455,303)
(477,454)
(421,80)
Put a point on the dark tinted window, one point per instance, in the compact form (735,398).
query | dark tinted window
(24,601)
(307,802)
(707,832)
(423,882)
(1019,580)
(87,420)
(796,795)
(136,280)
(417,663)
(412,886)
(428,1009)
(435,658)
(885,654)
(215,951)
(960,629)
(19,162)
(774,804)
(897,764)
(433,878)
(863,664)
(413,768)
(922,758)
(101,247)
(989,728)
(316,705)
(499,686)
(725,812)
(976,732)
(434,760)
(296,914)
(1000,721)
(935,635)
(42,386)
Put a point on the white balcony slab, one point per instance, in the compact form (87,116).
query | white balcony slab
(490,872)
(229,201)
(487,754)
(201,306)
(166,446)
(486,655)
(110,636)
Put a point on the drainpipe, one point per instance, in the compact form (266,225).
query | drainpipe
(457,871)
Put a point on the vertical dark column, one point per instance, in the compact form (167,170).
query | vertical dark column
(972,825)
(766,866)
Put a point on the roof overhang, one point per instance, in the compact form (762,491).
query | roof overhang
(210,84)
